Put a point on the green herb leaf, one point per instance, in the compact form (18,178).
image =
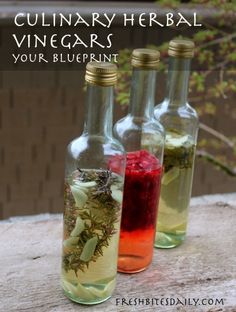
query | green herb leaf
(79,227)
(89,249)
(71,242)
(79,196)
(170,176)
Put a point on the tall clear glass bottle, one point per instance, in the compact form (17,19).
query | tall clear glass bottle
(143,139)
(180,121)
(93,196)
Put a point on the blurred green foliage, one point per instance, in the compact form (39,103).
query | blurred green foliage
(212,80)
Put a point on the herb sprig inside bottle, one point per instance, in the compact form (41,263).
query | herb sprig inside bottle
(180,121)
(93,196)
(94,199)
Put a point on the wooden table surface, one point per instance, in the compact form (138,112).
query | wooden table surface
(204,267)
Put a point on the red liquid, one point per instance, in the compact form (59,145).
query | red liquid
(141,195)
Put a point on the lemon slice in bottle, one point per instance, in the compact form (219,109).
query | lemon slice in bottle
(171,175)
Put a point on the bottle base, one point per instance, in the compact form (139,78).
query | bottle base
(84,302)
(131,264)
(167,240)
(88,294)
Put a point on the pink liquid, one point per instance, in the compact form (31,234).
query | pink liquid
(141,195)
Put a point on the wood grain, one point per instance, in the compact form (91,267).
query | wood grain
(203,267)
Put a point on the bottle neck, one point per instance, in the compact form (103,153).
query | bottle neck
(142,95)
(99,109)
(178,80)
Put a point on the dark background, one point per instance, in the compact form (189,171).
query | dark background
(41,111)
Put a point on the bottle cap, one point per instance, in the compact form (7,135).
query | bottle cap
(145,58)
(101,73)
(181,48)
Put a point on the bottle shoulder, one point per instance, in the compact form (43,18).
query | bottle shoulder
(164,110)
(155,125)
(192,111)
(131,123)
(182,120)
(96,145)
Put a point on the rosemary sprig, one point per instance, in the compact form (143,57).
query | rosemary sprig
(181,157)
(99,214)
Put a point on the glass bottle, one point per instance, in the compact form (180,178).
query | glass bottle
(143,139)
(180,121)
(93,196)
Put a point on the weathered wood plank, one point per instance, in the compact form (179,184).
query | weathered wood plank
(203,267)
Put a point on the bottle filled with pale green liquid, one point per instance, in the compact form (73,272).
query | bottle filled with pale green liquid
(180,121)
(94,178)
